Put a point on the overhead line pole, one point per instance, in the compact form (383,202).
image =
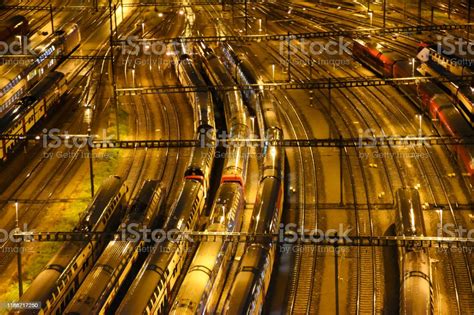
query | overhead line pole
(112,60)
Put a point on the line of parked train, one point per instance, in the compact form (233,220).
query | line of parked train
(151,291)
(55,286)
(208,270)
(434,101)
(101,285)
(250,285)
(45,87)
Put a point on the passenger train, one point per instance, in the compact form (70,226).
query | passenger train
(246,74)
(63,274)
(250,285)
(211,261)
(434,101)
(48,55)
(151,290)
(236,117)
(462,93)
(101,285)
(201,286)
(29,110)
(416,290)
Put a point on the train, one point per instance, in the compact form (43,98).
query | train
(209,267)
(433,101)
(203,281)
(237,118)
(16,25)
(48,55)
(102,283)
(151,290)
(56,284)
(416,289)
(29,110)
(250,285)
(462,93)
(246,74)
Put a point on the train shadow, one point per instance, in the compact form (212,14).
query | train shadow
(392,276)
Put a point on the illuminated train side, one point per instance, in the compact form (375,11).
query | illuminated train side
(449,67)
(104,280)
(210,264)
(433,99)
(50,53)
(151,290)
(416,296)
(63,274)
(29,110)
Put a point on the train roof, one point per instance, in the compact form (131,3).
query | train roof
(410,216)
(10,117)
(109,188)
(143,200)
(42,87)
(264,208)
(457,121)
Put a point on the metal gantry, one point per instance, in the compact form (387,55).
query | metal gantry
(283,237)
(362,142)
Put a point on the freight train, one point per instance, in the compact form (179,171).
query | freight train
(101,285)
(48,55)
(150,292)
(416,290)
(64,273)
(29,110)
(202,283)
(434,101)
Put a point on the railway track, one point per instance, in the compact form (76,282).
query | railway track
(366,285)
(365,261)
(52,183)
